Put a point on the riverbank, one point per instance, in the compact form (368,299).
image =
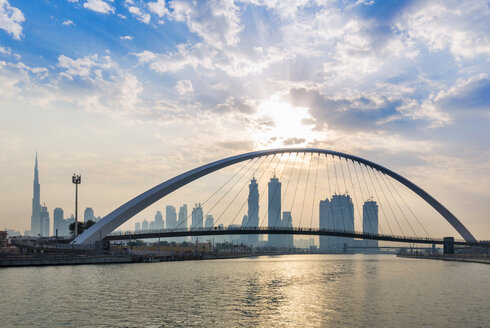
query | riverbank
(21,261)
(74,259)
(449,257)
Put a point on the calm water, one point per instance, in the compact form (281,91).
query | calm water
(285,291)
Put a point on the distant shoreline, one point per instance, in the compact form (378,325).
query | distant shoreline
(447,257)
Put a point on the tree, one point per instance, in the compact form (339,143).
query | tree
(81,226)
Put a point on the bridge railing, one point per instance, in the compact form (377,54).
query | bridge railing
(357,234)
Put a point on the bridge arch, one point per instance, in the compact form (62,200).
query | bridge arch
(126,211)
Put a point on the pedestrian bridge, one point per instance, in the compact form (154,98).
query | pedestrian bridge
(345,173)
(169,233)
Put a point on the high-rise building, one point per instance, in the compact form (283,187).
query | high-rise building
(197,217)
(287,222)
(325,224)
(144,225)
(44,219)
(274,210)
(183,217)
(336,214)
(58,222)
(171,216)
(253,212)
(88,215)
(36,204)
(159,222)
(67,224)
(370,221)
(137,226)
(209,221)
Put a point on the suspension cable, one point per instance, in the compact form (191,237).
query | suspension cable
(265,185)
(362,195)
(383,178)
(297,183)
(275,190)
(351,210)
(377,197)
(260,179)
(337,181)
(229,203)
(329,190)
(410,209)
(389,205)
(226,182)
(306,189)
(354,191)
(314,192)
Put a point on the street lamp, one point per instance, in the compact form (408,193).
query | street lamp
(76,179)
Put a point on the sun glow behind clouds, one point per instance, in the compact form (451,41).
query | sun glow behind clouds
(280,124)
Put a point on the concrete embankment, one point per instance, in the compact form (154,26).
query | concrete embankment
(450,257)
(16,261)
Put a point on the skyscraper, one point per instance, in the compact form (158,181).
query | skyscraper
(36,204)
(197,217)
(274,211)
(182,217)
(88,215)
(325,224)
(336,214)
(44,219)
(209,221)
(171,217)
(137,226)
(58,222)
(370,221)
(144,225)
(253,211)
(159,223)
(287,222)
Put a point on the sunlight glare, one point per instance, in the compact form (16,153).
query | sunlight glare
(284,125)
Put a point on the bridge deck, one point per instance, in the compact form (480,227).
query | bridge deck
(276,231)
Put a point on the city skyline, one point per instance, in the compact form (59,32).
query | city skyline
(273,206)
(364,77)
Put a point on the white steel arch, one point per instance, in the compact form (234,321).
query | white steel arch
(123,213)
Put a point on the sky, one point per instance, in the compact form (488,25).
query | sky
(130,93)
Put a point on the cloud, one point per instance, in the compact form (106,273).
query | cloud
(10,19)
(341,113)
(85,67)
(237,146)
(97,84)
(468,96)
(202,56)
(139,14)
(294,141)
(5,51)
(68,22)
(217,22)
(235,104)
(99,6)
(183,87)
(460,27)
(158,8)
(126,37)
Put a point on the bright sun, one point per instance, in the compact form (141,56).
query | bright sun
(283,125)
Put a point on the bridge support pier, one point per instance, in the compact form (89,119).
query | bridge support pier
(448,245)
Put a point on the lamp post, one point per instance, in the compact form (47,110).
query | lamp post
(76,179)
